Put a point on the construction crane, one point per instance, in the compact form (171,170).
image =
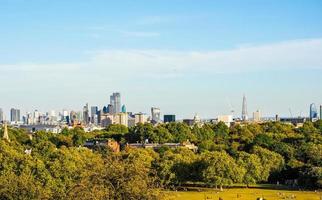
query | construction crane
(290,112)
(231,107)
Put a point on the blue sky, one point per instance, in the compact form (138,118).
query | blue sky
(185,56)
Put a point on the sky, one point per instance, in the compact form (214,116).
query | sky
(184,56)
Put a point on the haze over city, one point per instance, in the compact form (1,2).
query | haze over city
(183,57)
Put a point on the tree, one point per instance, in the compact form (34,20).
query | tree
(270,161)
(221,169)
(161,135)
(181,132)
(221,133)
(253,168)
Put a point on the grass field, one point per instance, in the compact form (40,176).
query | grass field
(245,194)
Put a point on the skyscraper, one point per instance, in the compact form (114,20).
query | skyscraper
(14,115)
(115,101)
(321,112)
(86,114)
(1,115)
(94,110)
(244,109)
(110,109)
(155,113)
(313,112)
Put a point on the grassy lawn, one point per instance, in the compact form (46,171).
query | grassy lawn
(245,194)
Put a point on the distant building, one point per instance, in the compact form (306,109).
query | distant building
(140,118)
(257,116)
(73,118)
(115,101)
(189,122)
(110,109)
(313,112)
(121,118)
(111,144)
(1,115)
(244,109)
(105,109)
(86,117)
(299,121)
(156,146)
(106,119)
(156,114)
(321,112)
(14,115)
(131,121)
(227,119)
(169,118)
(123,109)
(94,110)
(196,119)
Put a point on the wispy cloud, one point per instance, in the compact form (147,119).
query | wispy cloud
(139,34)
(152,20)
(301,54)
(133,63)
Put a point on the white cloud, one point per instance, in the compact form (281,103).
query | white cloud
(139,34)
(297,54)
(301,54)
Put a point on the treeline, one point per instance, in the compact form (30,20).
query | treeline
(58,167)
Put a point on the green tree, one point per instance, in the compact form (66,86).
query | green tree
(253,168)
(221,169)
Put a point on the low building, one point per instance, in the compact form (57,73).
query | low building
(113,145)
(156,146)
(227,119)
(169,118)
(298,122)
(140,118)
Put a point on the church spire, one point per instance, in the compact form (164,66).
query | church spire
(5,132)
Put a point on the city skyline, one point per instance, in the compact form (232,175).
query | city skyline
(90,110)
(177,55)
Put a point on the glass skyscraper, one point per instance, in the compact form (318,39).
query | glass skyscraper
(115,101)
(14,115)
(313,112)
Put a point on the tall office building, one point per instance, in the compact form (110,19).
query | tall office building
(155,113)
(313,112)
(244,109)
(86,114)
(110,109)
(321,112)
(36,117)
(14,115)
(1,115)
(115,101)
(94,111)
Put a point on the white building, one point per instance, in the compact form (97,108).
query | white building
(227,119)
(140,118)
(257,116)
